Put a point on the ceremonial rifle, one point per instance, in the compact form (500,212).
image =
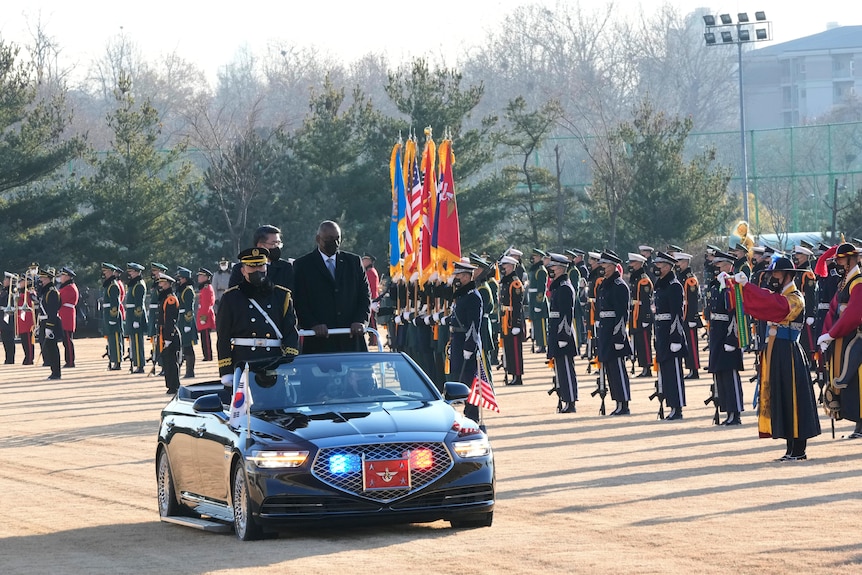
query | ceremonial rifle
(601,388)
(713,398)
(658,394)
(822,381)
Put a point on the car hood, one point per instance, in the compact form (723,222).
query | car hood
(371,420)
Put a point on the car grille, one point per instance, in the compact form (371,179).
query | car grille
(449,497)
(352,482)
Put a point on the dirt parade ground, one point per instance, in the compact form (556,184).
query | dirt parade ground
(576,493)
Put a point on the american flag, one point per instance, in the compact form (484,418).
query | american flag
(482,394)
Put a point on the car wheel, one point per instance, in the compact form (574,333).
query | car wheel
(473,521)
(243,521)
(168,504)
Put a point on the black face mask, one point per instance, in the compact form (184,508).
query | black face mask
(330,247)
(631,270)
(774,285)
(256,278)
(656,271)
(552,273)
(274,254)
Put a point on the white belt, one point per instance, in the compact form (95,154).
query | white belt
(553,314)
(182,310)
(255,342)
(719,316)
(607,314)
(663,317)
(130,306)
(823,306)
(154,306)
(71,305)
(43,316)
(506,308)
(533,290)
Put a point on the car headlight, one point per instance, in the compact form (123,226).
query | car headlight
(278,459)
(472,448)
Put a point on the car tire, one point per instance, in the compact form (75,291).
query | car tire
(244,524)
(473,521)
(168,504)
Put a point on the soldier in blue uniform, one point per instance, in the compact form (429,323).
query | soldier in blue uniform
(561,332)
(725,356)
(578,279)
(537,282)
(691,312)
(670,345)
(136,316)
(612,318)
(187,323)
(465,343)
(641,319)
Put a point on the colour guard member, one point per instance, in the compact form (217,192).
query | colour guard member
(691,311)
(25,318)
(7,318)
(741,263)
(465,343)
(537,285)
(169,335)
(612,332)
(512,319)
(594,280)
(68,313)
(156,269)
(374,290)
(112,321)
(787,403)
(206,312)
(578,277)
(484,270)
(256,320)
(561,332)
(136,316)
(187,321)
(670,341)
(725,356)
(641,320)
(50,327)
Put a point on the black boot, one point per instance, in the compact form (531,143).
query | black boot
(733,419)
(569,408)
(190,365)
(857,432)
(647,372)
(624,408)
(516,380)
(675,413)
(693,374)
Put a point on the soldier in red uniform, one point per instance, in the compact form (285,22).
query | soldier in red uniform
(206,313)
(374,287)
(25,319)
(68,313)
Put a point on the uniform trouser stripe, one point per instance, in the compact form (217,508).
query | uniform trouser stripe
(729,387)
(618,379)
(136,349)
(114,347)
(692,357)
(567,381)
(671,382)
(69,347)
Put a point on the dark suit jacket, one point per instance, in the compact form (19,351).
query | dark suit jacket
(320,299)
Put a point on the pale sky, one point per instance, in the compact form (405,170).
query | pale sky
(210,33)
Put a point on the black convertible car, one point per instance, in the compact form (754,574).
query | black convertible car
(353,437)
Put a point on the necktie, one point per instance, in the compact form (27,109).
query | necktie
(330,264)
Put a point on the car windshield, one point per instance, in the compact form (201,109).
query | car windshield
(339,378)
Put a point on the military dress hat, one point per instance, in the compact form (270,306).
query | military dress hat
(575,252)
(800,249)
(48,272)
(671,248)
(538,252)
(720,256)
(681,256)
(558,259)
(254,257)
(508,260)
(609,257)
(645,248)
(158,266)
(369,256)
(783,264)
(68,271)
(185,273)
(711,249)
(463,267)
(479,261)
(806,244)
(594,255)
(108,266)
(204,271)
(845,250)
(514,252)
(759,249)
(633,257)
(134,266)
(164,276)
(661,257)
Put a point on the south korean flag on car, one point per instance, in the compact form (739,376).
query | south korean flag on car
(240,405)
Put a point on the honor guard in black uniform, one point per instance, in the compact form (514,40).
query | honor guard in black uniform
(136,316)
(537,285)
(612,331)
(691,311)
(112,319)
(561,332)
(670,342)
(594,280)
(8,317)
(484,270)
(647,252)
(169,335)
(578,278)
(512,319)
(256,320)
(465,344)
(187,322)
(641,318)
(725,355)
(806,282)
(50,328)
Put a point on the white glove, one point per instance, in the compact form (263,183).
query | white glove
(468,354)
(187,329)
(375,306)
(740,278)
(618,346)
(809,320)
(582,283)
(405,315)
(675,347)
(427,320)
(227,379)
(537,309)
(824,340)
(398,319)
(645,324)
(167,342)
(112,323)
(444,320)
(136,324)
(728,347)
(562,344)
(436,316)
(722,278)
(516,330)
(692,324)
(49,333)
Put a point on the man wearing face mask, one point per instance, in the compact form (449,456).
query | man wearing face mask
(787,406)
(827,287)
(725,356)
(205,314)
(221,281)
(168,336)
(279,271)
(50,327)
(691,312)
(465,344)
(331,291)
(612,332)
(561,339)
(594,280)
(641,319)
(256,320)
(669,333)
(512,319)
(112,320)
(136,316)
(187,322)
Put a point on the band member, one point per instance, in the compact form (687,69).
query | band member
(787,403)
(641,319)
(206,312)
(136,316)
(512,319)
(562,330)
(25,319)
(537,285)
(374,289)
(612,332)
(725,356)
(50,327)
(670,341)
(112,323)
(68,313)
(7,318)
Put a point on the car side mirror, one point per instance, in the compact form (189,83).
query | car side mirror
(210,403)
(455,391)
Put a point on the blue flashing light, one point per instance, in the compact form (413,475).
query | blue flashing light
(342,463)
